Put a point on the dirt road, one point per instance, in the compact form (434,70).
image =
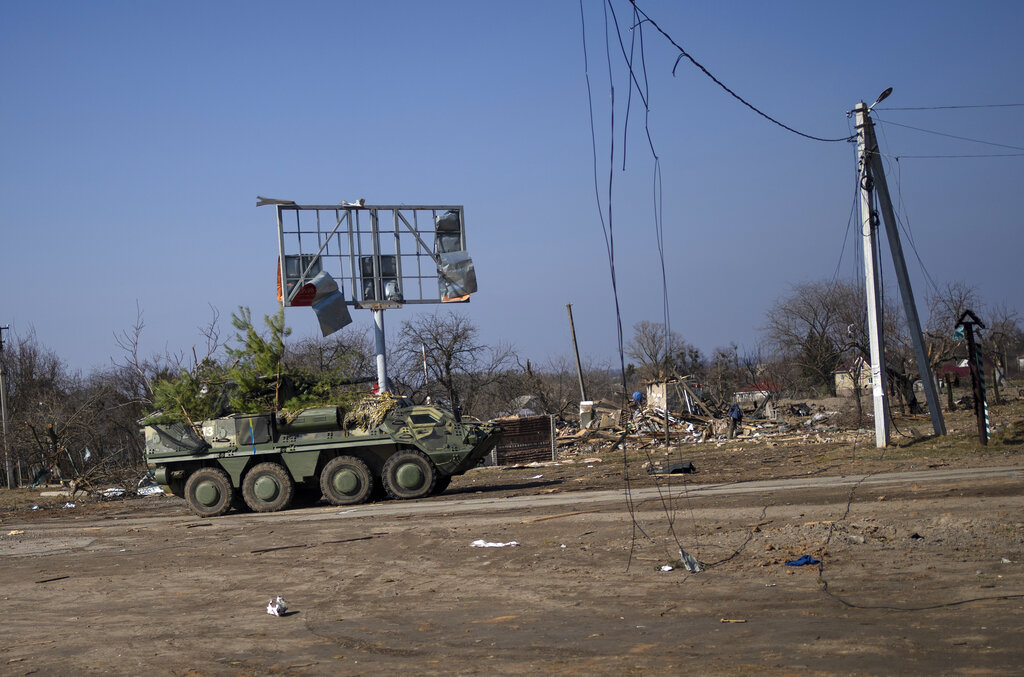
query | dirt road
(921,573)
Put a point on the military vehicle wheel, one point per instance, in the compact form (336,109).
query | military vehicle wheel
(208,492)
(441,484)
(346,480)
(409,474)
(268,487)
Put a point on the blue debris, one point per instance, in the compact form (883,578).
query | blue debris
(806,559)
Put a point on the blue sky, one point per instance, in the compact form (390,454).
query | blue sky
(136,137)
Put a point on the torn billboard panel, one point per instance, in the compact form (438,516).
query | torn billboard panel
(327,301)
(458,277)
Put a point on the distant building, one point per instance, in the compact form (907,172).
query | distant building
(960,370)
(757,392)
(851,376)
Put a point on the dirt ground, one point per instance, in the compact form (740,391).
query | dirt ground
(921,550)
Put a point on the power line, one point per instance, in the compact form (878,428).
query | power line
(951,136)
(683,53)
(904,223)
(983,105)
(937,157)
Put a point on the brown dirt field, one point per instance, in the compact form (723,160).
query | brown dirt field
(921,548)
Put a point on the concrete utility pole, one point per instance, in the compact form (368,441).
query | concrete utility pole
(872,178)
(3,407)
(869,236)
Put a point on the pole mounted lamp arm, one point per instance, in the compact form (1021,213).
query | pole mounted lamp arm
(881,97)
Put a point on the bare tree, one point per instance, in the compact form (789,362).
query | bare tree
(1004,334)
(51,410)
(347,355)
(458,366)
(661,354)
(945,307)
(821,325)
(555,386)
(805,327)
(724,374)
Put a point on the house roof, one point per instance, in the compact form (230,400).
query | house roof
(761,387)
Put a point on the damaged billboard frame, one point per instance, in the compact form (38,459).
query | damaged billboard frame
(386,256)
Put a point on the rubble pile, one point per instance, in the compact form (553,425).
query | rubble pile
(642,427)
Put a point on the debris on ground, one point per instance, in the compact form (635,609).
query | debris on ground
(480,543)
(277,607)
(672,469)
(640,427)
(803,561)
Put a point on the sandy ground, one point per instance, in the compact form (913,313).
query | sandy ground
(922,572)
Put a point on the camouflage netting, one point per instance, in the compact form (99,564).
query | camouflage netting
(371,411)
(181,437)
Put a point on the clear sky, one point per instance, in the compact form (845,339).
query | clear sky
(136,136)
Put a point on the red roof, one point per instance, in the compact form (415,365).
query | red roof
(760,387)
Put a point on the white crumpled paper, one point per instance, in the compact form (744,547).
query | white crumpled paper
(481,543)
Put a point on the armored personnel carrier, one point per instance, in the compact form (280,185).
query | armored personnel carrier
(264,460)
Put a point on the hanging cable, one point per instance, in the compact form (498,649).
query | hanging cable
(950,136)
(985,105)
(932,157)
(683,53)
(608,231)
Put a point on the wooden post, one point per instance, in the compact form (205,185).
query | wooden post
(576,351)
(949,391)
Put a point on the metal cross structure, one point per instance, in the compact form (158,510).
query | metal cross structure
(968,320)
(386,256)
(872,185)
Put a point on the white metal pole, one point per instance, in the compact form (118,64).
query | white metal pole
(869,225)
(378,343)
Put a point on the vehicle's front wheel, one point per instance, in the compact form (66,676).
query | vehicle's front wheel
(409,474)
(267,488)
(208,492)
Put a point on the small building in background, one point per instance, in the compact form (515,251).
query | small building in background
(960,372)
(757,392)
(851,376)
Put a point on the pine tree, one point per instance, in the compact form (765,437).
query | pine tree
(256,370)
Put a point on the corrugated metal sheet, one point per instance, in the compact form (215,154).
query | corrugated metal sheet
(525,440)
